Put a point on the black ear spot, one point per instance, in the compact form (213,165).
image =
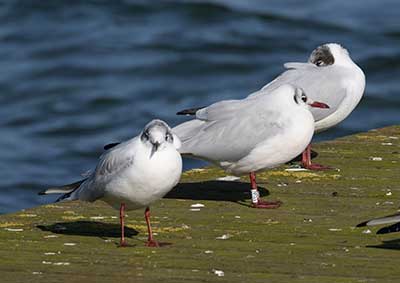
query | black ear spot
(295,99)
(145,136)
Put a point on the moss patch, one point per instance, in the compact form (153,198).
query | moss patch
(311,238)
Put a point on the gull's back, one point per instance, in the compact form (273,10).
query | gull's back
(229,130)
(325,84)
(338,82)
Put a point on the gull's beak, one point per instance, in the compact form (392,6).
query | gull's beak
(154,148)
(317,104)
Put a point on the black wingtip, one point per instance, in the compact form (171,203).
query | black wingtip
(42,193)
(64,196)
(362,224)
(383,230)
(111,145)
(389,229)
(185,112)
(189,112)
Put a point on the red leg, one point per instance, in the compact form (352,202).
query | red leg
(150,241)
(306,158)
(256,202)
(306,161)
(121,219)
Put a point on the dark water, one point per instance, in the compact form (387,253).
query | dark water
(76,75)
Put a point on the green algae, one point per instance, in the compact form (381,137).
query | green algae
(311,238)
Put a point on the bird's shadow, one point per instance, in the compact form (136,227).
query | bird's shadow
(88,228)
(209,190)
(389,245)
(214,190)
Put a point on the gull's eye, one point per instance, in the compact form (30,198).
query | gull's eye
(304,97)
(319,63)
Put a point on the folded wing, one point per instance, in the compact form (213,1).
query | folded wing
(227,130)
(319,83)
(382,220)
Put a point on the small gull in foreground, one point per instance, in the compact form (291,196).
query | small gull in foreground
(132,174)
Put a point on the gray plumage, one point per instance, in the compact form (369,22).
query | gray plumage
(381,220)
(136,172)
(329,76)
(251,134)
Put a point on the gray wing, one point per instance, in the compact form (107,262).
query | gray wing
(110,164)
(323,84)
(116,159)
(228,130)
(222,110)
(382,220)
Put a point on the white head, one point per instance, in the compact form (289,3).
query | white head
(330,54)
(158,135)
(301,98)
(297,97)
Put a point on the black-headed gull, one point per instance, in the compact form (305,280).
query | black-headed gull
(331,76)
(132,174)
(252,134)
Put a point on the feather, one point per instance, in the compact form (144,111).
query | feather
(189,112)
(382,220)
(62,189)
(111,145)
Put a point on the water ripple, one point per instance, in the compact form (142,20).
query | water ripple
(76,75)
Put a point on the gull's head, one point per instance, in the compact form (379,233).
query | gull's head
(295,96)
(330,54)
(158,135)
(301,99)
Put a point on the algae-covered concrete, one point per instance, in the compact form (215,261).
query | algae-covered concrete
(311,238)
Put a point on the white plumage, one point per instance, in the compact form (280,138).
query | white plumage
(253,134)
(128,173)
(249,135)
(330,76)
(132,174)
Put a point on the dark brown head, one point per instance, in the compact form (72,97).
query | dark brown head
(322,56)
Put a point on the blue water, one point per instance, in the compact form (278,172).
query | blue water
(76,75)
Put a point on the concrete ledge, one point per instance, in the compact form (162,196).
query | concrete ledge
(311,238)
